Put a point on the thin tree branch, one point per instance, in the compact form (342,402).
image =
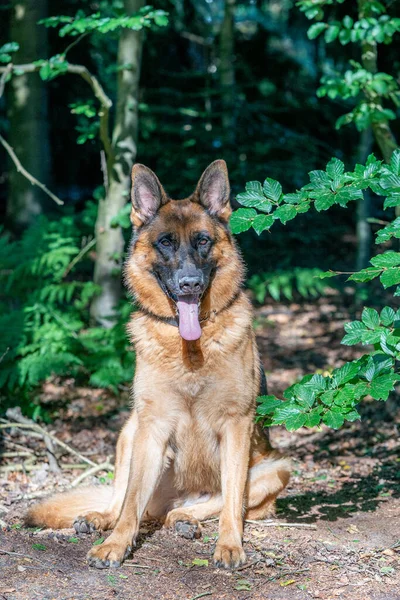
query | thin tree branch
(78,257)
(75,42)
(42,432)
(3,80)
(105,466)
(16,415)
(26,174)
(98,91)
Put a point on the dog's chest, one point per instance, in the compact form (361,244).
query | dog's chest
(195,446)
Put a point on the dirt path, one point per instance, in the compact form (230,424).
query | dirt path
(344,499)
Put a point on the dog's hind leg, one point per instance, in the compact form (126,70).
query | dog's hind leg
(266,479)
(106,520)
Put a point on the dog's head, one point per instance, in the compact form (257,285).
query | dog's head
(183,258)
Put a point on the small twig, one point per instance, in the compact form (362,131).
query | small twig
(3,78)
(15,454)
(42,431)
(138,566)
(16,415)
(26,174)
(201,595)
(78,257)
(255,562)
(28,467)
(105,466)
(74,43)
(272,524)
(4,354)
(16,445)
(286,573)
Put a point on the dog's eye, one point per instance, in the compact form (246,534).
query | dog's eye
(166,243)
(203,242)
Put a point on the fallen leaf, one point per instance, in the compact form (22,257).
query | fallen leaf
(288,582)
(200,562)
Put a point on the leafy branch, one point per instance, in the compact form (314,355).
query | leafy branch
(325,189)
(333,399)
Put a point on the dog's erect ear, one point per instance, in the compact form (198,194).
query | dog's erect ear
(147,195)
(213,190)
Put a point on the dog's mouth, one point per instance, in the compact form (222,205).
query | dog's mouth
(188,308)
(188,315)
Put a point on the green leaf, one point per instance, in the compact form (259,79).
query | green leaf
(320,180)
(267,404)
(387,259)
(315,30)
(345,373)
(324,200)
(390,277)
(98,542)
(370,318)
(272,189)
(335,168)
(348,22)
(313,418)
(242,219)
(331,33)
(394,161)
(365,275)
(387,316)
(317,383)
(253,197)
(200,562)
(344,36)
(39,547)
(392,200)
(295,421)
(285,213)
(355,331)
(382,386)
(328,274)
(333,419)
(262,222)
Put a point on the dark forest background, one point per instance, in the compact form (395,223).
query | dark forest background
(214,79)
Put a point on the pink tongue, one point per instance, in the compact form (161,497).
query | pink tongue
(189,326)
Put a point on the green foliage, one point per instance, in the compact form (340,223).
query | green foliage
(333,399)
(44,327)
(7,50)
(306,282)
(374,26)
(326,188)
(81,24)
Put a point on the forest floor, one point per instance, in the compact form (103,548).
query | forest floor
(343,501)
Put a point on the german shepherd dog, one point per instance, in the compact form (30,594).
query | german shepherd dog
(190,449)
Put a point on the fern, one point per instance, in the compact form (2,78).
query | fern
(44,321)
(305,282)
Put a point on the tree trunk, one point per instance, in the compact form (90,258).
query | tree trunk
(364,207)
(110,242)
(29,134)
(227,70)
(369,59)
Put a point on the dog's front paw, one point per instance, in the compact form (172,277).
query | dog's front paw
(229,556)
(109,554)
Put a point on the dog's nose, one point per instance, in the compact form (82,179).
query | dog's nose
(190,285)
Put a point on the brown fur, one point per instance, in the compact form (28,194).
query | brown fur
(190,449)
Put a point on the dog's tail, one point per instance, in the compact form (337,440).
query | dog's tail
(60,511)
